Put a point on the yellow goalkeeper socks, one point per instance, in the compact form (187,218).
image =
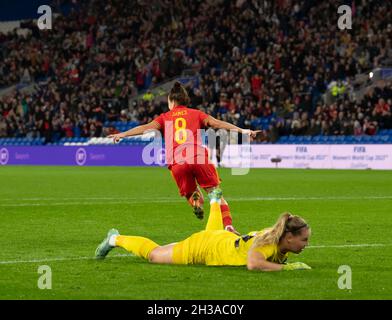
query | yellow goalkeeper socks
(139,246)
(215,218)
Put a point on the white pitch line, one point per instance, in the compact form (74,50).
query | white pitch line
(166,200)
(134,202)
(310,198)
(61,259)
(364,245)
(352,245)
(72,198)
(232,198)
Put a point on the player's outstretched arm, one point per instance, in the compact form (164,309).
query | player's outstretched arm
(256,261)
(153,125)
(296,266)
(219,124)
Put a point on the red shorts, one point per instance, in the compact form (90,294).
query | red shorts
(186,175)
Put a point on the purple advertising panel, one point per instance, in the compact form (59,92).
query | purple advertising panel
(235,156)
(82,156)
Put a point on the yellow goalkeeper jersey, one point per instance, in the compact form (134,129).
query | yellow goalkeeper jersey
(220,247)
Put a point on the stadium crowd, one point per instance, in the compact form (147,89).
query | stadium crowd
(271,59)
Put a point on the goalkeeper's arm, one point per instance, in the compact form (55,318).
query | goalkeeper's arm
(256,261)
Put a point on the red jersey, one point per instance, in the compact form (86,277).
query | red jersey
(181,128)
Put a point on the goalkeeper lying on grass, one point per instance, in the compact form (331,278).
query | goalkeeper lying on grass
(265,250)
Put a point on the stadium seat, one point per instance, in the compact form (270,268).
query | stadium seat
(316,139)
(340,139)
(357,139)
(324,139)
(351,139)
(254,123)
(384,139)
(367,139)
(299,139)
(283,139)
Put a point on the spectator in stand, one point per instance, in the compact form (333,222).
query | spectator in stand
(382,113)
(369,127)
(268,67)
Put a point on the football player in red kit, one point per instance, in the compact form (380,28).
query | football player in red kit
(186,157)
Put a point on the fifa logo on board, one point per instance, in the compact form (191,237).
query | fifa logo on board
(44,21)
(301,149)
(359,149)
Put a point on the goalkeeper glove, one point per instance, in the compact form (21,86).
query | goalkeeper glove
(296,266)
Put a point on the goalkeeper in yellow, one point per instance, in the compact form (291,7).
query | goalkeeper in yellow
(265,250)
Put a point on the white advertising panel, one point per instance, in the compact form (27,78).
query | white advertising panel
(378,156)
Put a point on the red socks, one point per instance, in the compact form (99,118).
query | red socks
(226,216)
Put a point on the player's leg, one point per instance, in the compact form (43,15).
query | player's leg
(225,212)
(139,246)
(215,218)
(208,179)
(226,216)
(196,200)
(105,246)
(162,254)
(186,183)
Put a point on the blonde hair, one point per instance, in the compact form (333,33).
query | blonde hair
(286,223)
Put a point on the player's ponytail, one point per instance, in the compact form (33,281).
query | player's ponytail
(179,95)
(286,223)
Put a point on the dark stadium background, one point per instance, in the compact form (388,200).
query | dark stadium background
(284,68)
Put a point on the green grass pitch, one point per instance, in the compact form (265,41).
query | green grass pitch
(56,216)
